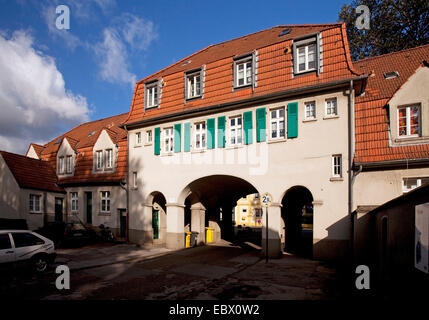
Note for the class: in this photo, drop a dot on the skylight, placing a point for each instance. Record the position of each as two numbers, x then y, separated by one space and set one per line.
391 75
91 133
284 32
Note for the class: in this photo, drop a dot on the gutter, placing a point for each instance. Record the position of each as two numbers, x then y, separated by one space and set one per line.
242 103
392 164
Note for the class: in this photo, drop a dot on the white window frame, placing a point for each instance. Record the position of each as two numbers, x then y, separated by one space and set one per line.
408 121
149 136
337 166
105 201
192 88
74 196
35 203
277 120
306 54
246 62
61 165
152 95
405 189
99 160
200 131
237 128
168 140
330 108
69 164
310 110
109 158
138 141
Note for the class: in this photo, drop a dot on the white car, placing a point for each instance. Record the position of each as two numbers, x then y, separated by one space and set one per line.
26 246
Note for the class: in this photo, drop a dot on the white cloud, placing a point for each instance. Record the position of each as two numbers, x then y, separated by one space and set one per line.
128 33
34 103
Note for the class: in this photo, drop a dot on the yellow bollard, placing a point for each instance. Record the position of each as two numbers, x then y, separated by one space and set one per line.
188 240
209 235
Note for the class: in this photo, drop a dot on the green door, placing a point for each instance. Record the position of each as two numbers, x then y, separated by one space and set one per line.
155 223
88 207
123 223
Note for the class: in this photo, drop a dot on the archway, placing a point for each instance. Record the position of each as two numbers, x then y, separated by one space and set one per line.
297 214
210 200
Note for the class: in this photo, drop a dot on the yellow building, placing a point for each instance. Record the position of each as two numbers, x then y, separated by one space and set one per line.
248 212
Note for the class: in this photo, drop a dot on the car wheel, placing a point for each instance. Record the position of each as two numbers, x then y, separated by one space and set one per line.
40 263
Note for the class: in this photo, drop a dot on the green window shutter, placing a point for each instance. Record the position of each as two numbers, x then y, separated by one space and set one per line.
177 137
221 132
187 137
157 144
210 133
261 125
292 120
247 120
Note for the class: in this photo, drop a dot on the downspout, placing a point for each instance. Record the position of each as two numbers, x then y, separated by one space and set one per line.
126 188
350 169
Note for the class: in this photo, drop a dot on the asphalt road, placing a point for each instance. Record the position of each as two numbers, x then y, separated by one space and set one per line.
210 272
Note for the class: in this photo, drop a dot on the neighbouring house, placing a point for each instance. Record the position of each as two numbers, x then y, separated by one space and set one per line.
29 191
399 244
267 112
392 135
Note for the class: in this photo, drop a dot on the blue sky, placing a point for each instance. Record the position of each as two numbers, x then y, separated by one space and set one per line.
52 80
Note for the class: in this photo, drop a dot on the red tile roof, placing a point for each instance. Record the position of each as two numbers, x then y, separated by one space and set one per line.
274 69
372 140
32 173
82 139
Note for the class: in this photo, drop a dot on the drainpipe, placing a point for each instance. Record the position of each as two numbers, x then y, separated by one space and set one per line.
126 188
350 167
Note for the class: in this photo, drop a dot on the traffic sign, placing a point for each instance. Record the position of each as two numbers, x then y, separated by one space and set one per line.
266 199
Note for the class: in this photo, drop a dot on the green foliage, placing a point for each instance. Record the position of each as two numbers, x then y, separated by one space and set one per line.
394 26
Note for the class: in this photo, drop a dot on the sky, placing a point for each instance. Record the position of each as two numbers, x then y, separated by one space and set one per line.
52 79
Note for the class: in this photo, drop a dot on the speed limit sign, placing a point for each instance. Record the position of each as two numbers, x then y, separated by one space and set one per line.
266 199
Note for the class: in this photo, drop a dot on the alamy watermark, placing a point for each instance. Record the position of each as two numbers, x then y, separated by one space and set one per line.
63 280
362 21
63 20
362 281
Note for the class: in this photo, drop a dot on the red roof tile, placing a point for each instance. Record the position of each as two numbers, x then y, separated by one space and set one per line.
31 173
371 117
274 69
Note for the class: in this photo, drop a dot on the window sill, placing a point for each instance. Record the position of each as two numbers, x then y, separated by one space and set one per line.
305 72
34 212
148 144
151 107
246 86
137 146
331 117
198 151
410 140
167 154
309 120
193 98
335 179
104 214
276 140
234 147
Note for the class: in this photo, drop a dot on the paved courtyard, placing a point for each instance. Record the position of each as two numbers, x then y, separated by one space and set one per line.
221 271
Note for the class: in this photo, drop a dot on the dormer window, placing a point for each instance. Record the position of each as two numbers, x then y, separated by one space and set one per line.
109 158
391 75
305 55
99 160
193 84
61 165
151 95
243 71
409 121
69 164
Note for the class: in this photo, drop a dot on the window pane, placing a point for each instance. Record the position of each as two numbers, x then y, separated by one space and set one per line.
239 121
282 113
26 240
5 242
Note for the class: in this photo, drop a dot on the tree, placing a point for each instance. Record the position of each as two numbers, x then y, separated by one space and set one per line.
394 26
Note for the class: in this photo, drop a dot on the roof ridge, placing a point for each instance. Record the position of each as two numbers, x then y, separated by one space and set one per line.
391 53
